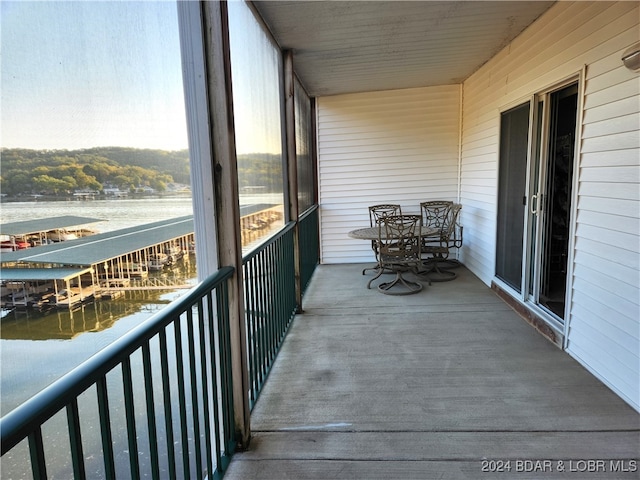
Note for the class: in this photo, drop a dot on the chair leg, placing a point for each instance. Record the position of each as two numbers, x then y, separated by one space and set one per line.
375 269
379 272
449 263
408 287
435 273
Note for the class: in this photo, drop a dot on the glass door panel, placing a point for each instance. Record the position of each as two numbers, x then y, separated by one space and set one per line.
555 221
512 174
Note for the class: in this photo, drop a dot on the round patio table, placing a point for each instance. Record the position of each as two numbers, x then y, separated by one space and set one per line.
371 233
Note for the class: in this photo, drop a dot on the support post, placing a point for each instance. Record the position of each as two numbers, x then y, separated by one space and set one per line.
227 204
227 208
292 169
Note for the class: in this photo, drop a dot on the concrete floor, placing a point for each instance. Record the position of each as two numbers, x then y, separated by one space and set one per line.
449 383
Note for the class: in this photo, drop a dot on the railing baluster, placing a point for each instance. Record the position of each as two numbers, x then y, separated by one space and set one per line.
75 439
166 400
270 268
193 381
255 319
36 450
182 403
290 289
260 318
252 329
226 384
271 285
130 414
280 295
256 322
214 370
205 320
280 305
247 315
269 304
105 428
151 410
277 296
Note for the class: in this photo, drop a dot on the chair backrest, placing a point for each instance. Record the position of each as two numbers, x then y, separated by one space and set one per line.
455 239
436 213
451 223
399 238
378 212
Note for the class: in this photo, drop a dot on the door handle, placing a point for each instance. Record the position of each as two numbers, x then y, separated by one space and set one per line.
531 207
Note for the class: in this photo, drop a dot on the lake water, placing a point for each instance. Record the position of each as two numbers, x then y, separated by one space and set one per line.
114 214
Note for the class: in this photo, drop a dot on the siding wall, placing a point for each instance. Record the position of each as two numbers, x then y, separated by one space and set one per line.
398 146
604 325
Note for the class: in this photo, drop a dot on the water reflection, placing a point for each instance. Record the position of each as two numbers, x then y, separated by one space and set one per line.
68 324
98 315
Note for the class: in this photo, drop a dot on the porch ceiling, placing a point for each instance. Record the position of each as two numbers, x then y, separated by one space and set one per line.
357 46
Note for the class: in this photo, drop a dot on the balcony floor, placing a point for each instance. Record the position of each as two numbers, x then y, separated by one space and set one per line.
431 385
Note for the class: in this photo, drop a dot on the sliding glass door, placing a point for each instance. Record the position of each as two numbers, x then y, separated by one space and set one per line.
537 156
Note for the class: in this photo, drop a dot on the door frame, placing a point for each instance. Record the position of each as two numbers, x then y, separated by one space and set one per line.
523 297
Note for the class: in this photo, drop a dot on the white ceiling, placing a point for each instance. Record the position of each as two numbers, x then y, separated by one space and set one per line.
357 46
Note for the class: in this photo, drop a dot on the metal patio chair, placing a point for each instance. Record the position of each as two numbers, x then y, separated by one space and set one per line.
399 249
376 214
437 248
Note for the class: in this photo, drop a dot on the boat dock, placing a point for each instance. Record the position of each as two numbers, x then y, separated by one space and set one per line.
32 233
104 264
42 287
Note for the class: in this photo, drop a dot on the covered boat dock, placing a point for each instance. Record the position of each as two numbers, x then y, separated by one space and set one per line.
45 287
113 258
45 230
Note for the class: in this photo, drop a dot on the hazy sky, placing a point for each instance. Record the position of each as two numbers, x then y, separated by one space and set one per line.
91 73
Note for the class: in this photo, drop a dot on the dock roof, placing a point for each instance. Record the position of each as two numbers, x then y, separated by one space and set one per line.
98 248
45 224
35 274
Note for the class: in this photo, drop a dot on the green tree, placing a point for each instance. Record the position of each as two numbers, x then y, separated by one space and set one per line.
123 182
16 182
45 184
52 171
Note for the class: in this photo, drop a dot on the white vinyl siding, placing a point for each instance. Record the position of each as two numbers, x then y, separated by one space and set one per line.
396 146
604 321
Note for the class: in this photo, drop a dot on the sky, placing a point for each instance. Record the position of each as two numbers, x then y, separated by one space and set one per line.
83 74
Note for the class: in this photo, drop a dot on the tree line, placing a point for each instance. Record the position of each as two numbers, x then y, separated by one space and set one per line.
62 172
56 172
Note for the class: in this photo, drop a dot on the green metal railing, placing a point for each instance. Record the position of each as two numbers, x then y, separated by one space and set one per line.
270 297
270 303
162 393
309 240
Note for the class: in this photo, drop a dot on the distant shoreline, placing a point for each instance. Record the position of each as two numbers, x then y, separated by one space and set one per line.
72 198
